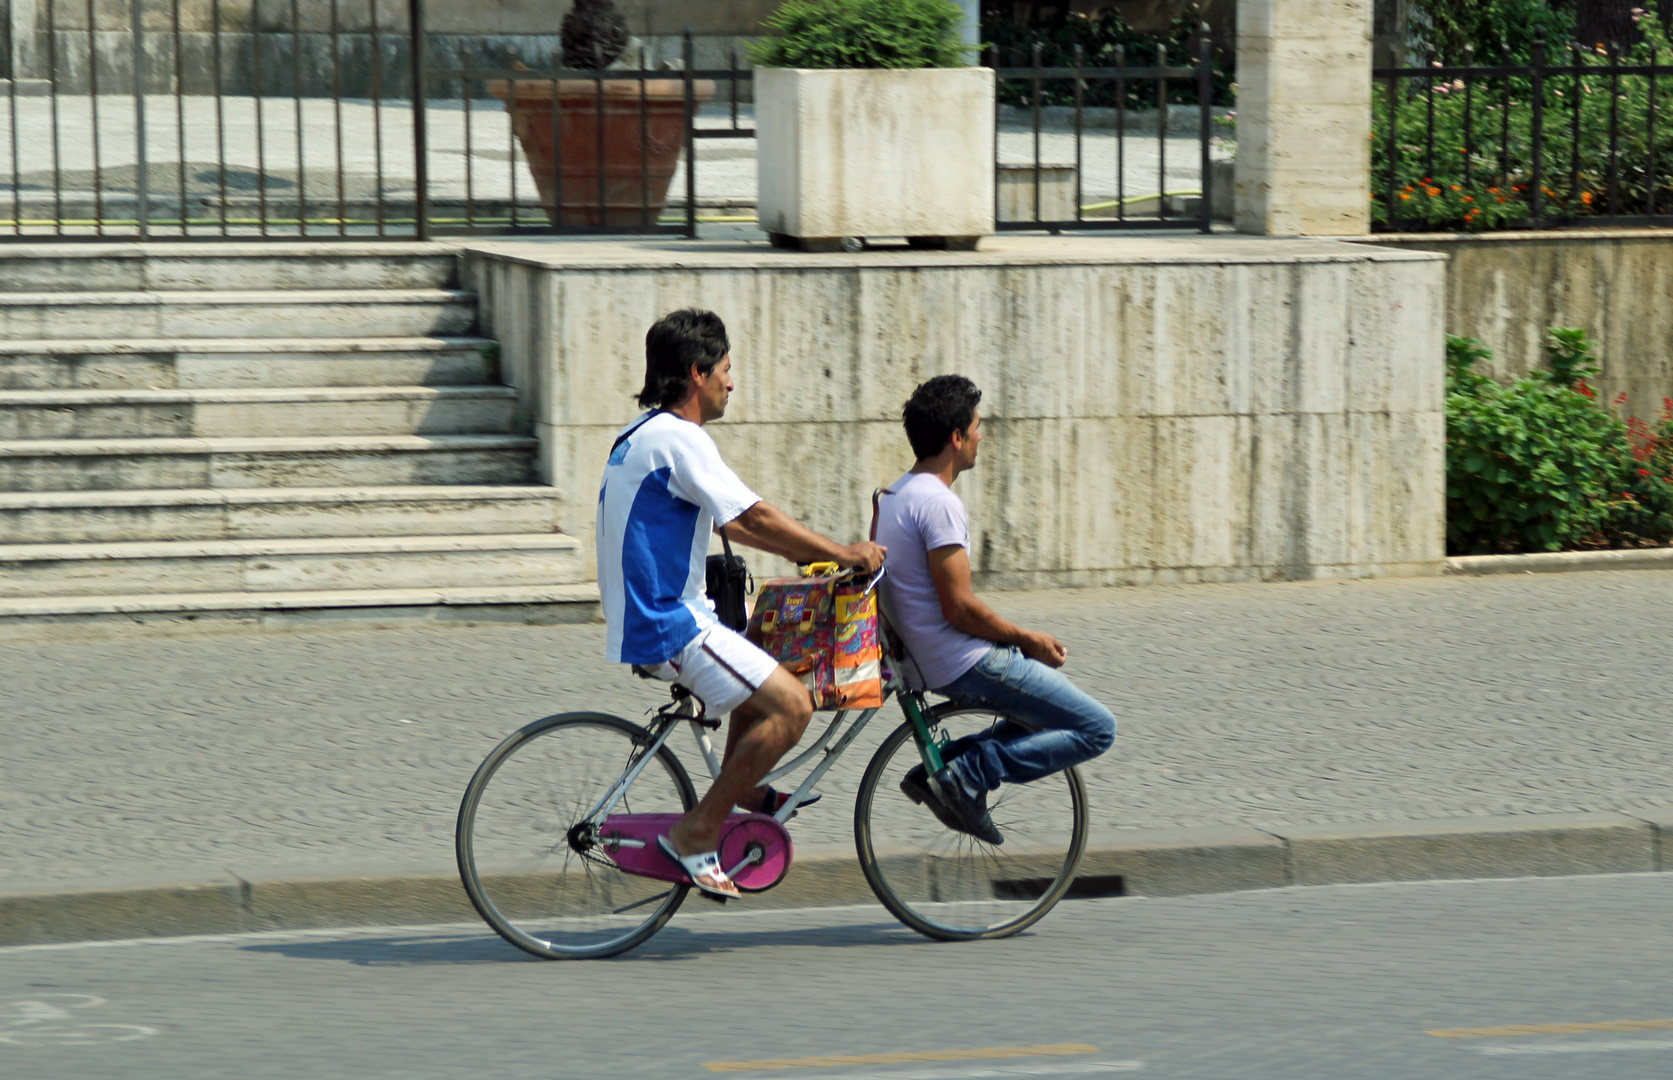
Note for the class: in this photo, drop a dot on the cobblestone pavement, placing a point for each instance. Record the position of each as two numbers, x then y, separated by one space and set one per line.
196 758
1336 983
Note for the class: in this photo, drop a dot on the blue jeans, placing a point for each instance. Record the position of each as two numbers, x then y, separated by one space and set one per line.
1052 724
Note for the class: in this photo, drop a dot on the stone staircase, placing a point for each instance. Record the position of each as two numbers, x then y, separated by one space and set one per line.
262 431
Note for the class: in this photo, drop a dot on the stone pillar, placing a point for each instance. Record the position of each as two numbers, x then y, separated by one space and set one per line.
1303 117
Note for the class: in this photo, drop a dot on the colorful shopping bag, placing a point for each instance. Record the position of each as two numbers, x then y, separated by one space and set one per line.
823 628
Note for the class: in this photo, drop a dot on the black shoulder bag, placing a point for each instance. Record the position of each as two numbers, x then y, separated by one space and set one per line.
728 582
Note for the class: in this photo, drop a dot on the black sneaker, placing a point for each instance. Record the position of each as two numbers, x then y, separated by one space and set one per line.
957 811
971 813
915 786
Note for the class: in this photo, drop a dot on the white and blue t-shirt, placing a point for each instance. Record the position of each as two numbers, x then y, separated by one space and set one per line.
665 489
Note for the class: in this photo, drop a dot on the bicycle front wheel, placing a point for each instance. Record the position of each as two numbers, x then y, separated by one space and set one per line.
950 885
529 855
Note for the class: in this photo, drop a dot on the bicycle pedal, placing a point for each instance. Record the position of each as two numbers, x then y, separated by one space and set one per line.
712 898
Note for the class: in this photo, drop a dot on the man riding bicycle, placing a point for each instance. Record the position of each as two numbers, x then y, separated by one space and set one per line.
959 647
665 491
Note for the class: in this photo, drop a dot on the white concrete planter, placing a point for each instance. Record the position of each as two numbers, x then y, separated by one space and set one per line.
863 153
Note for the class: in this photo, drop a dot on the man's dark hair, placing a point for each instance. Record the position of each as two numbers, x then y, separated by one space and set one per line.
674 343
936 409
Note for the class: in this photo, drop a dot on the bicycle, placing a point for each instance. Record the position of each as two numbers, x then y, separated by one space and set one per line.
553 867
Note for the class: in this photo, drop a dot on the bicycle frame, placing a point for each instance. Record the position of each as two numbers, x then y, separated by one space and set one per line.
911 703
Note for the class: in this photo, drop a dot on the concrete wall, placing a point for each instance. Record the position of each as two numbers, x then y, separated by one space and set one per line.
1508 288
1175 409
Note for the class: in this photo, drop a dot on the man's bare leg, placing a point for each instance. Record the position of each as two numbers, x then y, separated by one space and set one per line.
742 720
764 729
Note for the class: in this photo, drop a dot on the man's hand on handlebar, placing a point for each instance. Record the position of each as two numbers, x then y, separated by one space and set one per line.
865 556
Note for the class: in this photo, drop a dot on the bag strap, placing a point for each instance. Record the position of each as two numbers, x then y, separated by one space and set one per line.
624 435
725 543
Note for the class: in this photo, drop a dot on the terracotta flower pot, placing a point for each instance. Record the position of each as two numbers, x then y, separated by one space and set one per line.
643 137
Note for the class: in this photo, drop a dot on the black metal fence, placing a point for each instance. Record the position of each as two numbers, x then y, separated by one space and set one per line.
600 148
164 119
207 120
1129 186
1571 135
240 119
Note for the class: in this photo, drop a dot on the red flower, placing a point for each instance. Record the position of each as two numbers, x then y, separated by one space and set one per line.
1643 472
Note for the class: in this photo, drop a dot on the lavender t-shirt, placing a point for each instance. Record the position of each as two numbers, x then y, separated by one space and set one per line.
916 515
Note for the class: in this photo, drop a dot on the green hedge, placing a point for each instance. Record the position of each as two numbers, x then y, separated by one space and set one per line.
1541 465
863 34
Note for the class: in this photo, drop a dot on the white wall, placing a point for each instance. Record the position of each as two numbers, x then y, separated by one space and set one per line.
1176 409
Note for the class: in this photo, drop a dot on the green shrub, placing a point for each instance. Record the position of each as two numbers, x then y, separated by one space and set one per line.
1541 465
1493 28
863 34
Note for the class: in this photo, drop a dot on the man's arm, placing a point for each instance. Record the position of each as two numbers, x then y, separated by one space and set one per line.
767 528
950 568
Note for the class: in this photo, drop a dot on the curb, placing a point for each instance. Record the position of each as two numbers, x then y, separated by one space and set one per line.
1557 562
1135 862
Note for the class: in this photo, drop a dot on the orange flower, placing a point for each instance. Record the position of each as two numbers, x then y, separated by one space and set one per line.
1405 195
1432 192
1586 197
1467 198
1455 187
1493 190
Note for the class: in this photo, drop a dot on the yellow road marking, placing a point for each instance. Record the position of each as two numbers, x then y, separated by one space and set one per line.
830 1061
1551 1029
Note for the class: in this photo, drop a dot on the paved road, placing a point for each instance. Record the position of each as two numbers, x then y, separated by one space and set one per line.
1338 983
131 761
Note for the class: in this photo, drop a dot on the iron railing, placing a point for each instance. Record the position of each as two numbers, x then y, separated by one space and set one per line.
199 121
204 119
1572 135
171 119
1125 191
618 197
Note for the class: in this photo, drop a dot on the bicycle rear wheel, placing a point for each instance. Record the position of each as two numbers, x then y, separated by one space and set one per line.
528 855
949 885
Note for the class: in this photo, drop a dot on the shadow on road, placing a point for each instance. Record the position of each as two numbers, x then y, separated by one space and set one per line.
672 943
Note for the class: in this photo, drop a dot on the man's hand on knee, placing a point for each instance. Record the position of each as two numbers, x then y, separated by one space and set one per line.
1044 648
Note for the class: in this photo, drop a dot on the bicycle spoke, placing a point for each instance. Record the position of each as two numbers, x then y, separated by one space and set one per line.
560 896
948 884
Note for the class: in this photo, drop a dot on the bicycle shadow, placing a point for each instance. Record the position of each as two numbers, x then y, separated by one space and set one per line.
672 943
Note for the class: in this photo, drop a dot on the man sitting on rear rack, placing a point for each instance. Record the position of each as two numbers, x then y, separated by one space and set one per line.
957 645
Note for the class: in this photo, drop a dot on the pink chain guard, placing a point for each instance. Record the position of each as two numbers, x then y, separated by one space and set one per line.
737 835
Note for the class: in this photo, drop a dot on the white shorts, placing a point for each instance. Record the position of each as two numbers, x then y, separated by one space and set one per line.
720 666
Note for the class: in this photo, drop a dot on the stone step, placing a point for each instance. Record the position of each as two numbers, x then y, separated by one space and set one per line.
309 313
303 461
288 565
375 410
80 364
32 616
57 517
49 267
